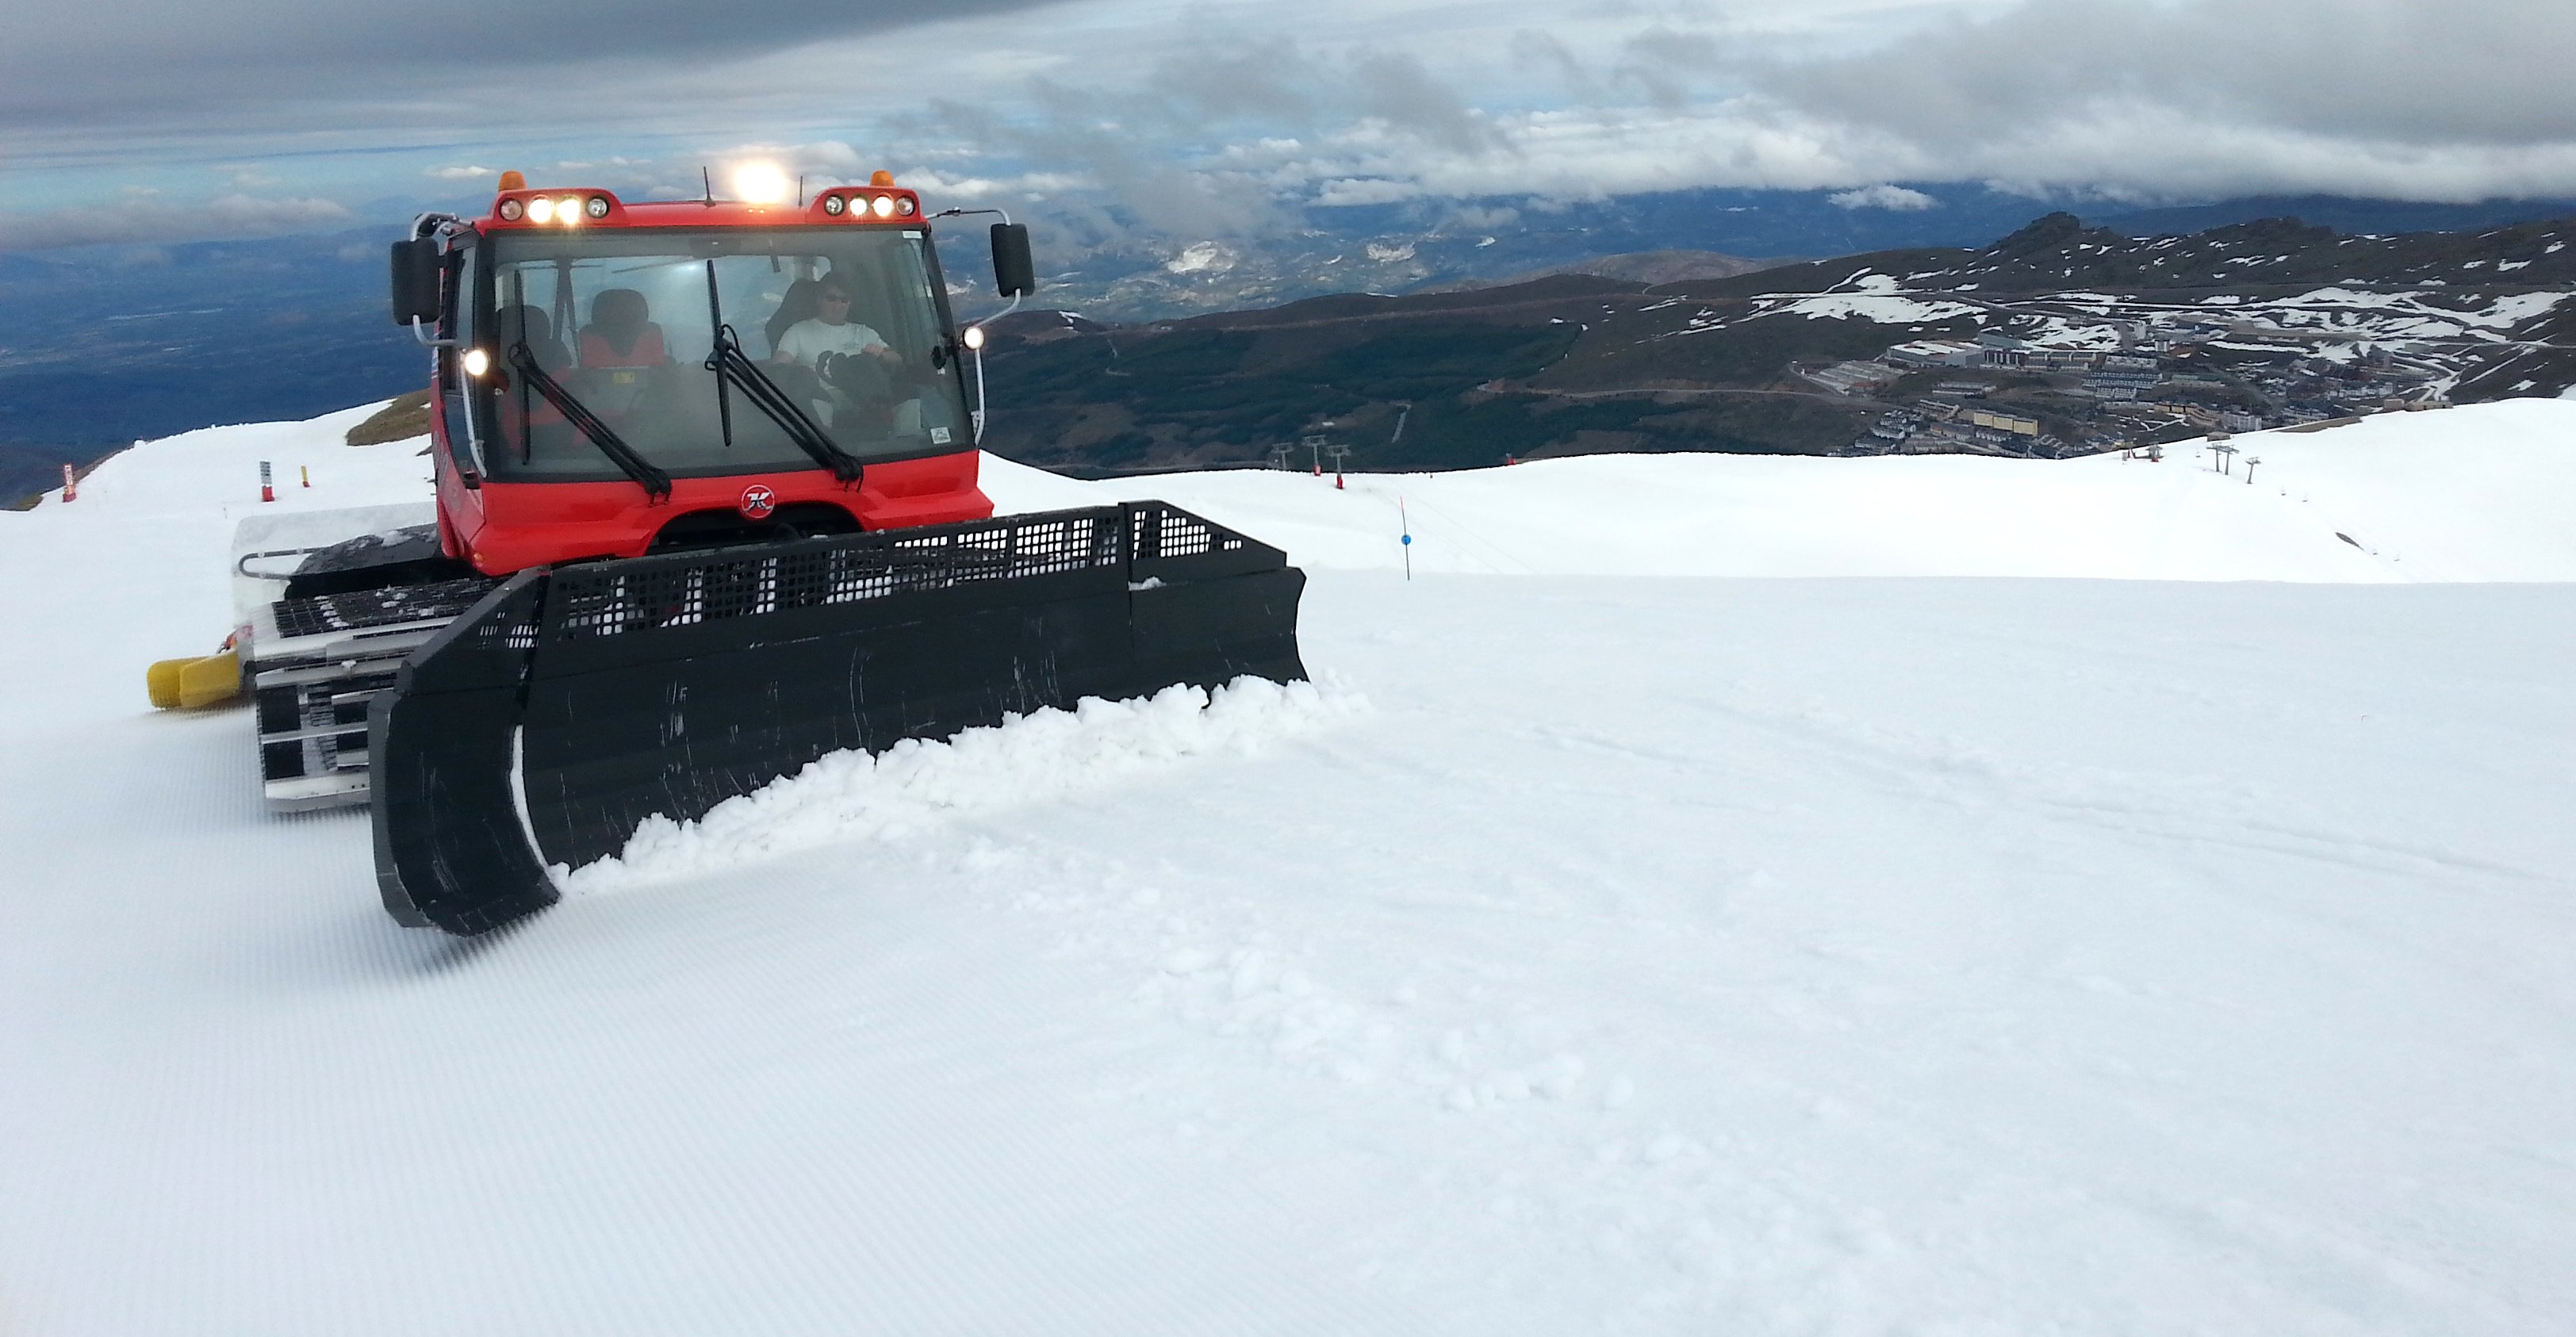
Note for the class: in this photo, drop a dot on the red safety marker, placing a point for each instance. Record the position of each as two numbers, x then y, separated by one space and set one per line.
71 484
267 492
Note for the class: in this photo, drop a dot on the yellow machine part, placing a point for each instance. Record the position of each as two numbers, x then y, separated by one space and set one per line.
193 684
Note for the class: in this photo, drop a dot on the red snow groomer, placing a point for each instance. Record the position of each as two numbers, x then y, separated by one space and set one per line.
706 511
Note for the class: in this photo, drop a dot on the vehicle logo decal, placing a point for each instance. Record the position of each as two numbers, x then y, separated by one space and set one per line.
757 502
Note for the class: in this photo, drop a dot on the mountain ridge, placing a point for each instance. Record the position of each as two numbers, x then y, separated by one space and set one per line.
1573 363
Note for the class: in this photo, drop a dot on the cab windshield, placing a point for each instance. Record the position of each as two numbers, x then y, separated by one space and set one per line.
849 325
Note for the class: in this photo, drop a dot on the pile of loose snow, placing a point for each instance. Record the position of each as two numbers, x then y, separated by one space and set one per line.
915 784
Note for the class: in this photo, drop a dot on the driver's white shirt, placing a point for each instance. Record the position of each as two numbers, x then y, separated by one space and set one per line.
807 340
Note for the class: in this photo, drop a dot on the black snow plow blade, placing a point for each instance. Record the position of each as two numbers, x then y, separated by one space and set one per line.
572 703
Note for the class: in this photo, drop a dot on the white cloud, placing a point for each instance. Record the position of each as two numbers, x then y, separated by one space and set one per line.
1365 190
1883 197
155 220
1474 218
938 185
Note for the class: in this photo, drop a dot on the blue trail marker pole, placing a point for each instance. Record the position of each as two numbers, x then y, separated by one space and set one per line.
1405 524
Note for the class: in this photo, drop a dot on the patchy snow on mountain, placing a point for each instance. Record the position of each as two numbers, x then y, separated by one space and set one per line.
1204 257
1747 902
1887 310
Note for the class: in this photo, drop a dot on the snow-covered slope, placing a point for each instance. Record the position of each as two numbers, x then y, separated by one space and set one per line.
1647 954
2479 493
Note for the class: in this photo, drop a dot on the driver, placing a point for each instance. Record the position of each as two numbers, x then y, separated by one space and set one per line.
831 330
852 363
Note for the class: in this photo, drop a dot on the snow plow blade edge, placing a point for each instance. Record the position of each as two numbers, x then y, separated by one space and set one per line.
570 704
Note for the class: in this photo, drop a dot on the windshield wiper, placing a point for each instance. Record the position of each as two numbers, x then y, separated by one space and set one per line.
656 484
738 370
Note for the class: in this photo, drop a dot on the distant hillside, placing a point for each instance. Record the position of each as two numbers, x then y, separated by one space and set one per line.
105 345
1426 244
1647 267
2358 217
2070 338
2059 252
1439 380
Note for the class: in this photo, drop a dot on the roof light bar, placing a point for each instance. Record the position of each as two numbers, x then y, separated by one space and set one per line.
565 210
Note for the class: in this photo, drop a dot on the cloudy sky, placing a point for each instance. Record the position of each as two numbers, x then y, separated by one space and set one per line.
153 120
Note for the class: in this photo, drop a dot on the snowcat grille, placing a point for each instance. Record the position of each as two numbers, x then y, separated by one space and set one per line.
685 590
1163 532
387 607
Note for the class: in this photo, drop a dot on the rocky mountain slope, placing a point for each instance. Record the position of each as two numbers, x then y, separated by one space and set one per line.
2085 338
2060 252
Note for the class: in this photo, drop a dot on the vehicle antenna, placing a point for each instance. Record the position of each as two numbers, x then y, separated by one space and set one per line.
707 180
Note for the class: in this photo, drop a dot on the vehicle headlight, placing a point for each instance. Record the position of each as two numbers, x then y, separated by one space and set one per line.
883 205
476 362
512 211
598 206
541 210
836 205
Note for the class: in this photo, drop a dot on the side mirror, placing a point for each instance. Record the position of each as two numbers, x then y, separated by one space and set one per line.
415 281
1014 273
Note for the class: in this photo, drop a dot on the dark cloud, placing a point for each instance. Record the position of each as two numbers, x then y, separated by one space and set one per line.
1400 92
1548 54
2411 72
1156 146
1075 130
1267 79
1662 65
176 63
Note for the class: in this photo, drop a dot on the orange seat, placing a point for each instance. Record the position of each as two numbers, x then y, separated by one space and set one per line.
621 332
